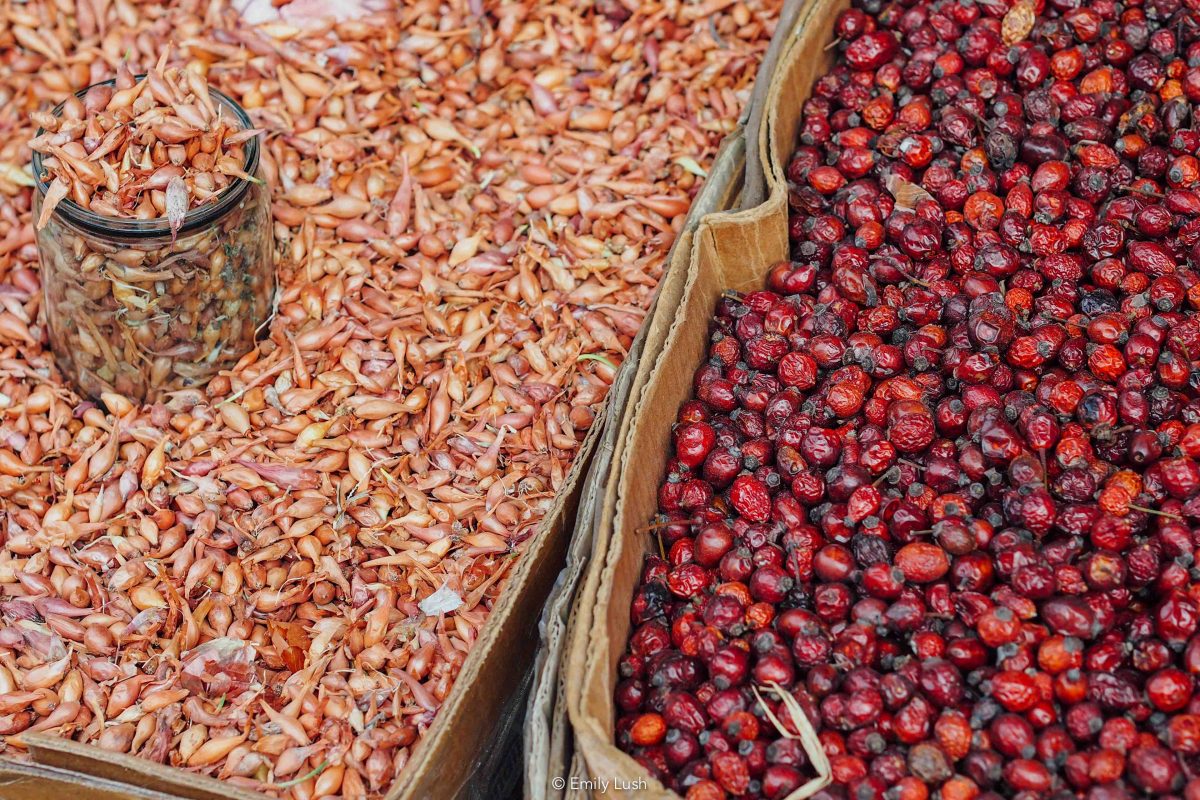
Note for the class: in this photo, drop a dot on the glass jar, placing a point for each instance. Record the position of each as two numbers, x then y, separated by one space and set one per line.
132 309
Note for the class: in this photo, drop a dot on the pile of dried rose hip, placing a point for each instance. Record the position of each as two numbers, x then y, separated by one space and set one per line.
942 481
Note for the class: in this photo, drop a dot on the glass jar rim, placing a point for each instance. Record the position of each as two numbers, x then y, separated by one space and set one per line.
195 219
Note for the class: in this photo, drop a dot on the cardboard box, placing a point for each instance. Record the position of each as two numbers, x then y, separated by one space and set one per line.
546 741
729 251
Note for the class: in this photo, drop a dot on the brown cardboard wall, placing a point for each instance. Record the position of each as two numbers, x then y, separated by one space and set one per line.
33 782
546 729
730 251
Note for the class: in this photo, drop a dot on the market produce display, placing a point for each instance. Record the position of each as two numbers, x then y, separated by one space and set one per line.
275 578
938 484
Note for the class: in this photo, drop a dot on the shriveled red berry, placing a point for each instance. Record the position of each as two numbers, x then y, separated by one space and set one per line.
872 50
731 773
922 562
751 498
694 442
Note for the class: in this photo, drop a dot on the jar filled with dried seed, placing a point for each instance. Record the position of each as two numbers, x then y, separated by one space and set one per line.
155 235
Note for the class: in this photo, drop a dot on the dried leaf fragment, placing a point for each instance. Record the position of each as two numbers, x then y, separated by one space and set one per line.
907 193
1018 22
443 601
691 165
14 174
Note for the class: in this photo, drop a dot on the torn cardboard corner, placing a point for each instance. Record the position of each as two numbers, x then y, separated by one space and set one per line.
75 763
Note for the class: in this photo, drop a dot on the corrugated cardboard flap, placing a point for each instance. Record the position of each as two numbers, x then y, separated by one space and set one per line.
66 754
21 780
730 251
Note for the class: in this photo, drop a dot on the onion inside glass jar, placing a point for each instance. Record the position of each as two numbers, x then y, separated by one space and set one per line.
136 308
